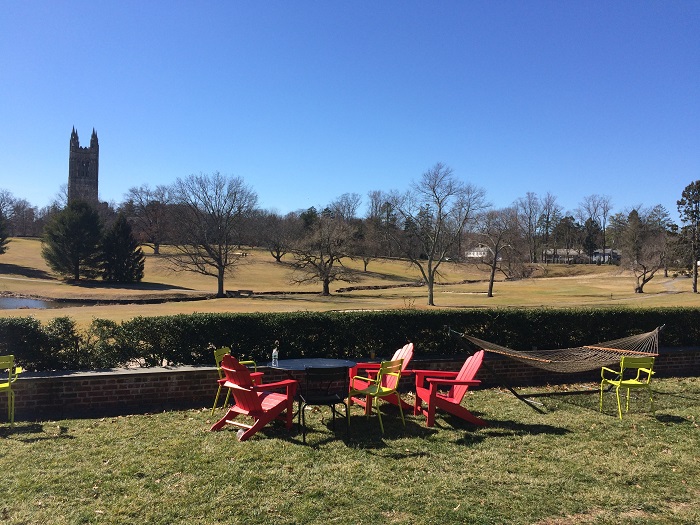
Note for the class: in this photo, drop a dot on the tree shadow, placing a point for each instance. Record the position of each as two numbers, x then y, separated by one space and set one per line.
31 273
142 286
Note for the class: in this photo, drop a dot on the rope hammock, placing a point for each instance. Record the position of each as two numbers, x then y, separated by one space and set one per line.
581 358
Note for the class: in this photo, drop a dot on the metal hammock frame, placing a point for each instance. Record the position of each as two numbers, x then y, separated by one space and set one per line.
580 358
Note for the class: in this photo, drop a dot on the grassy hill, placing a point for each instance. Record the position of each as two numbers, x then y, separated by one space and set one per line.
24 272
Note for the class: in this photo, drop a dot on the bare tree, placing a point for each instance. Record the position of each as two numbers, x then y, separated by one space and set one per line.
382 212
498 230
318 256
209 215
23 219
550 215
345 207
596 208
436 212
6 202
529 209
278 233
644 244
149 211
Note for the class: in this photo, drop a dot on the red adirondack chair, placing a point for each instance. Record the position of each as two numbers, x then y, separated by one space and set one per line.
450 402
254 400
370 370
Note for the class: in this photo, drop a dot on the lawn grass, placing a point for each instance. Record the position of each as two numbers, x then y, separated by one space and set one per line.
572 465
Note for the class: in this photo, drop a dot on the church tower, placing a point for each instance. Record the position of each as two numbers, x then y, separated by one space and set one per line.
83 169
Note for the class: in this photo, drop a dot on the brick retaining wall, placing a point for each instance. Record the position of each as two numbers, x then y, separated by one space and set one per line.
62 395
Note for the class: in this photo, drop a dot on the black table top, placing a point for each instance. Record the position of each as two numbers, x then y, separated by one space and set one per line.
311 362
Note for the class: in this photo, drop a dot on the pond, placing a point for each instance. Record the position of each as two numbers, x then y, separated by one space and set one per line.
13 303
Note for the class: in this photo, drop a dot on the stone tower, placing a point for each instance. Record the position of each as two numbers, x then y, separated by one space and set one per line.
83 169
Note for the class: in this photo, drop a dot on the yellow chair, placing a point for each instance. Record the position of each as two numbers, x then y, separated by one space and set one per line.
7 362
642 366
383 385
219 354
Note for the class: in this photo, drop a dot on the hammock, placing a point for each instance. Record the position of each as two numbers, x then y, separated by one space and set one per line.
581 358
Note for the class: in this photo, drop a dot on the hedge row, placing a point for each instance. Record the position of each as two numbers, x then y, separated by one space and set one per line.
187 339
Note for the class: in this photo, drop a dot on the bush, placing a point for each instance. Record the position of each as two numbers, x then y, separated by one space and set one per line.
186 339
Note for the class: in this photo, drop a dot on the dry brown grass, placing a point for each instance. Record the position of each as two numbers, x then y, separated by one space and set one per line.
23 271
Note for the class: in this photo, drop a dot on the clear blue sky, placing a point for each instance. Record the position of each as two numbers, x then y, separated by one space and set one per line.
308 100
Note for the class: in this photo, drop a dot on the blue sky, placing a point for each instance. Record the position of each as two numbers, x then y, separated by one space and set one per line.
309 100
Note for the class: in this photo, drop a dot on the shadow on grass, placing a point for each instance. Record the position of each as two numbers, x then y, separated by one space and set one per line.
142 286
31 273
669 419
33 432
499 428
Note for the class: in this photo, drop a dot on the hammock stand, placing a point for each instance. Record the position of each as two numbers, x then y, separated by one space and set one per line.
568 360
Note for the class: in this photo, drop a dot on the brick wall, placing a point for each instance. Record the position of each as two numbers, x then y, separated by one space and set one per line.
55 396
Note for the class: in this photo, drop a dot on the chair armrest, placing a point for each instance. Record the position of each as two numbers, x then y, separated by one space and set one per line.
277 384
421 375
362 378
438 381
606 369
246 363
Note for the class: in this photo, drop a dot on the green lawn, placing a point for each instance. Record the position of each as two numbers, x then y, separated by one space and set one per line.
572 465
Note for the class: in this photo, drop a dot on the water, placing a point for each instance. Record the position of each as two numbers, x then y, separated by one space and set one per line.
13 303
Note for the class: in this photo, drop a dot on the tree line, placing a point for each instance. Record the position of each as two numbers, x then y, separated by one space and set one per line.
207 219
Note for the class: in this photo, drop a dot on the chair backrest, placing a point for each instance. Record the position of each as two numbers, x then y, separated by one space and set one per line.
390 373
325 382
219 354
635 363
237 374
405 353
7 362
466 373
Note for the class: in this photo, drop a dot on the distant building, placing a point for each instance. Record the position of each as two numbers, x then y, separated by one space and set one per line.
480 251
83 169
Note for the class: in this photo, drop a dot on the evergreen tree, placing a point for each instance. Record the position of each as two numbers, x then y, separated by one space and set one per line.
123 259
71 242
3 234
689 208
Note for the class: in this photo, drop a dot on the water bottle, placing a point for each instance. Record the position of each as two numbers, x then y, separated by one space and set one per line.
275 355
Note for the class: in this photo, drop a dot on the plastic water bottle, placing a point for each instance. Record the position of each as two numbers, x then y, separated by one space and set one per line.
275 355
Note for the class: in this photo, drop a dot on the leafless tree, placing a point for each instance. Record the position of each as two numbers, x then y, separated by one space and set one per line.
6 202
278 233
148 209
644 244
597 208
498 231
209 216
550 216
529 209
318 255
382 212
345 207
436 212
23 219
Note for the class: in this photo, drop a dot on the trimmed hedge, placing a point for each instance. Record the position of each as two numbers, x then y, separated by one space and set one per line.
187 339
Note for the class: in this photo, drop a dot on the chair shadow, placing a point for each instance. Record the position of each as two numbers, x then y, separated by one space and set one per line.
33 432
670 419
